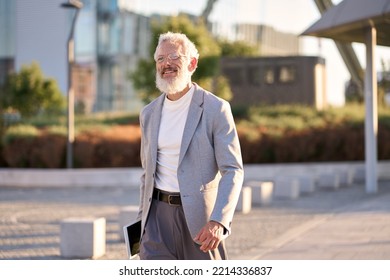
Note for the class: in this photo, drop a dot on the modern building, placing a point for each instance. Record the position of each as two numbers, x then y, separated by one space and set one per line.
109 40
34 31
270 41
7 38
277 80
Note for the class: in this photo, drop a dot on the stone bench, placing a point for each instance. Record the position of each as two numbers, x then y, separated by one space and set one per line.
286 187
329 181
244 204
359 174
127 215
307 184
261 191
83 237
345 177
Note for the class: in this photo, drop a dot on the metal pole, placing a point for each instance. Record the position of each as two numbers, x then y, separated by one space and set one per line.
371 119
70 96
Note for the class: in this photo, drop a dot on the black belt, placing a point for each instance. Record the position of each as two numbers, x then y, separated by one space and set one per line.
170 198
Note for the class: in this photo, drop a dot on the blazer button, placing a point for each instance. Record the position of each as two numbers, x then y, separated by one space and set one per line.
150 199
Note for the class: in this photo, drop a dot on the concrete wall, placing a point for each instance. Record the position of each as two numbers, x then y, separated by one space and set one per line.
276 80
130 177
42 30
99 177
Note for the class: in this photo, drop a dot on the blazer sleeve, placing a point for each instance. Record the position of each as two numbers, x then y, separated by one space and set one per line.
142 178
229 160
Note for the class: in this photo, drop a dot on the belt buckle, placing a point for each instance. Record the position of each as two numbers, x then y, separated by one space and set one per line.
170 197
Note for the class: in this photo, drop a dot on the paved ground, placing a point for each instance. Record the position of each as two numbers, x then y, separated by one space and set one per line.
342 224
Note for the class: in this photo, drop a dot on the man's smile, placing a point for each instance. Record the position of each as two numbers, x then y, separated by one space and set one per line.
169 71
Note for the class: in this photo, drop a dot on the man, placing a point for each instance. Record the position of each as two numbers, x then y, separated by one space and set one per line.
191 160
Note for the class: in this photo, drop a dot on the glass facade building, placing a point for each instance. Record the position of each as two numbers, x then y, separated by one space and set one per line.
109 40
7 38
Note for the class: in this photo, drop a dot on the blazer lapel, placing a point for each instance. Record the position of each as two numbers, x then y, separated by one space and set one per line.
155 127
193 118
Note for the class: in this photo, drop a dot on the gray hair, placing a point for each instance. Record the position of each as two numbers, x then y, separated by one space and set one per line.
178 38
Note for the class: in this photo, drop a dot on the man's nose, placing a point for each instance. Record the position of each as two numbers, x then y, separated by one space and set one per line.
167 61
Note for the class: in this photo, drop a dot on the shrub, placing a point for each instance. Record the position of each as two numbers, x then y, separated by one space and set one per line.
57 130
26 146
19 132
30 93
266 136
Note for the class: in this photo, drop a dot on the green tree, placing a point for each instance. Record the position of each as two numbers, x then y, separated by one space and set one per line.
220 86
237 48
143 79
30 93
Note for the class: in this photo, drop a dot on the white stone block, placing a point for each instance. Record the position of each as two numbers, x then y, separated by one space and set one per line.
245 201
345 177
328 181
127 215
359 174
83 237
306 184
286 187
261 191
384 170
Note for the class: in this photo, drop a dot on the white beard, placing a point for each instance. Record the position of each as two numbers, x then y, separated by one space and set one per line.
174 85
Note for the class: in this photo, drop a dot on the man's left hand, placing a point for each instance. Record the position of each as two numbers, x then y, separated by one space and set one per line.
210 236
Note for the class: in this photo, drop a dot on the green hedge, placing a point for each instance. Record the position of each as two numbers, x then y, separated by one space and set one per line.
25 146
339 143
267 135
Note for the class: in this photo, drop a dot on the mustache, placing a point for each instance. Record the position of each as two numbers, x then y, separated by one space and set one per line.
172 69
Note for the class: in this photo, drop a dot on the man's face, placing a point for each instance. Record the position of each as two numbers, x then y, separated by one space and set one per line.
172 68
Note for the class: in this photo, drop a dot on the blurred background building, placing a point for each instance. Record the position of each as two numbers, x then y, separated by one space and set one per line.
7 38
34 31
112 35
269 41
109 40
277 80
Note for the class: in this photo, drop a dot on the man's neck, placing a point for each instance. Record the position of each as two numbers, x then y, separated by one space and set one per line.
178 95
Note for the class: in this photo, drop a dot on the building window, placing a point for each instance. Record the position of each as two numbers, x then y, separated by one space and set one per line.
269 75
254 76
235 75
287 74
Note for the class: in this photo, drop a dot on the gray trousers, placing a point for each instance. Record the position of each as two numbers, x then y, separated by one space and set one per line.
167 237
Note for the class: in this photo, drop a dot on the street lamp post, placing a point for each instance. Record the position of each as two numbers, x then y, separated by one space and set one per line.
77 5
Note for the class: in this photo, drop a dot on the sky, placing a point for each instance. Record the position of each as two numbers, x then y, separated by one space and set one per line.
284 15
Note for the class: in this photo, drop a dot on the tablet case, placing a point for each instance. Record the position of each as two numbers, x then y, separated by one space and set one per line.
132 233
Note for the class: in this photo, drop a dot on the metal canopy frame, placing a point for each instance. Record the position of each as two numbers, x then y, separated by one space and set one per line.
355 21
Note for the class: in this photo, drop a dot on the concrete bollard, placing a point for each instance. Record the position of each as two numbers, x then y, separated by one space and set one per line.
286 187
127 215
83 237
345 177
245 201
306 184
261 192
328 181
359 174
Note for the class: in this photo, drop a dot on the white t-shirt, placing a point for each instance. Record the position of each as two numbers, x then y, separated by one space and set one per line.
173 119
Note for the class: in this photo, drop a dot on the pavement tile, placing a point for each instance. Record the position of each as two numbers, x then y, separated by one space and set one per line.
342 224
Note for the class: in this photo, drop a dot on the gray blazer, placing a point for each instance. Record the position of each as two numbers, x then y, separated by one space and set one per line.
210 170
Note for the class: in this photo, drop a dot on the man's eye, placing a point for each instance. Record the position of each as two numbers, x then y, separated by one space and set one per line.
174 56
160 59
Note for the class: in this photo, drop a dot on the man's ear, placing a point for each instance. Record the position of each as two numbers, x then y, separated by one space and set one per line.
193 64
